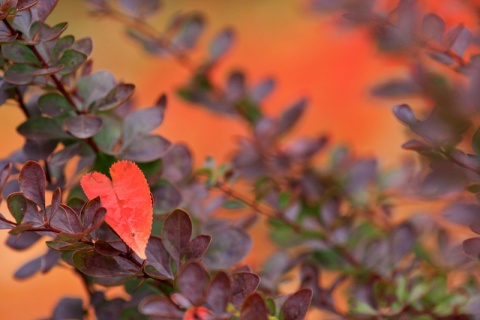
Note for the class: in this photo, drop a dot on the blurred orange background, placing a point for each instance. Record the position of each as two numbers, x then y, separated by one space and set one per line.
307 55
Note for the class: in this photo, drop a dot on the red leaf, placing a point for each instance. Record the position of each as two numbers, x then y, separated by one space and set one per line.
127 200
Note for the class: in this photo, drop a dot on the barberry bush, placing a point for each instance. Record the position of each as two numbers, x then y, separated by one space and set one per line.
122 206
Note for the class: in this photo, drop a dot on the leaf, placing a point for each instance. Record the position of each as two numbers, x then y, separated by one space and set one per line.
166 198
22 241
462 212
71 61
160 307
177 231
197 247
190 28
127 200
118 95
177 163
83 126
68 308
32 183
228 247
54 104
29 269
84 45
17 205
143 121
145 148
94 264
460 41
44 8
47 33
46 71
67 219
61 157
433 27
61 45
141 8
243 284
472 248
3 224
254 308
95 87
158 258
221 43
19 74
218 293
19 53
405 114
290 116
106 249
41 129
191 282
26 4
262 90
296 306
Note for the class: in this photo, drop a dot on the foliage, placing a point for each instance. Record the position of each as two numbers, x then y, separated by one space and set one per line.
125 181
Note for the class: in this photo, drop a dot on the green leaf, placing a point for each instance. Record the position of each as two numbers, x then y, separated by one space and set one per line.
17 205
71 61
364 309
60 46
41 129
19 53
54 104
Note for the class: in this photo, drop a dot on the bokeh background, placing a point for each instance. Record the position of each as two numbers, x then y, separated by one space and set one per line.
306 53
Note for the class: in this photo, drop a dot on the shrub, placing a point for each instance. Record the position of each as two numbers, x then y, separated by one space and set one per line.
128 208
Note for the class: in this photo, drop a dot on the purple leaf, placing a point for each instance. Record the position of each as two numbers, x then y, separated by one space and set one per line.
404 113
459 39
296 306
462 212
191 282
262 90
19 74
141 8
197 247
83 126
29 269
118 95
243 284
160 307
177 231
89 211
143 121
254 308
44 8
433 27
472 248
218 292
63 156
106 249
158 257
95 265
221 43
145 148
166 198
32 183
22 241
290 116
228 247
177 163
68 308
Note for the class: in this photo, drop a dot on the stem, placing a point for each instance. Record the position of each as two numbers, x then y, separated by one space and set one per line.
21 103
150 32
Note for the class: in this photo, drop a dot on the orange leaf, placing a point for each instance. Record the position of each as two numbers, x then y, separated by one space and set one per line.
127 200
